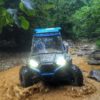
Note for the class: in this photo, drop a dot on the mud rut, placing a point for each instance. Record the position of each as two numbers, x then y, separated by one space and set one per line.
10 88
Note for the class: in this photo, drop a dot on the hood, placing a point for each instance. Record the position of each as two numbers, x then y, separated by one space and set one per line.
47 58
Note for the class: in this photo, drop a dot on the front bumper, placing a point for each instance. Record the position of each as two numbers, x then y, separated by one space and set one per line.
59 72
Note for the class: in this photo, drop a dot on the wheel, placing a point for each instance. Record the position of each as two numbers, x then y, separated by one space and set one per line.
77 76
26 77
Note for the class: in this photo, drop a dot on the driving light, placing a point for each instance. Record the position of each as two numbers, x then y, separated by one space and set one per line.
33 63
61 61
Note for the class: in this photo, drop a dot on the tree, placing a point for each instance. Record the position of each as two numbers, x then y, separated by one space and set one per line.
87 20
63 11
76 17
24 13
10 14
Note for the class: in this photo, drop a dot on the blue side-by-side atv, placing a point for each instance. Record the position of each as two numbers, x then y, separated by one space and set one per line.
49 60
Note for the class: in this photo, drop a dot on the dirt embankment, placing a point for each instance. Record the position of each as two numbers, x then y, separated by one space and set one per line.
10 88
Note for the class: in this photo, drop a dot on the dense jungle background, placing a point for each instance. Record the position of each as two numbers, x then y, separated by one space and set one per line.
79 19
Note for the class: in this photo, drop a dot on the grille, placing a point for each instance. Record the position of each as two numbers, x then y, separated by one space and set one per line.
47 68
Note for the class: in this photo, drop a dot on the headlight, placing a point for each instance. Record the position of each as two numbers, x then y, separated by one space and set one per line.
61 61
33 63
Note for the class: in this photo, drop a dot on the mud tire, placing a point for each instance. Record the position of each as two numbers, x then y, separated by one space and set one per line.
77 76
25 76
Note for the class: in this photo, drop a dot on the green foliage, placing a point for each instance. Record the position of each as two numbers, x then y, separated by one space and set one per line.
10 16
48 6
5 18
78 18
98 44
87 20
62 12
25 10
37 15
24 22
1 2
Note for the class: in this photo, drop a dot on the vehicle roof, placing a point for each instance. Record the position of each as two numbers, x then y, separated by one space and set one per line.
47 32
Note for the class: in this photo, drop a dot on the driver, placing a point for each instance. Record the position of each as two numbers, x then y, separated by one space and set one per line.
40 46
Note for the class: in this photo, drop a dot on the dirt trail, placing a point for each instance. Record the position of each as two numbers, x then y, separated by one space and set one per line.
10 88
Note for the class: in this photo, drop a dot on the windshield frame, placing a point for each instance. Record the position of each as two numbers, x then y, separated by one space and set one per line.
37 53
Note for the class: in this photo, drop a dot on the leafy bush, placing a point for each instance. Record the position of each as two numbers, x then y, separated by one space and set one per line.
78 18
86 20
98 44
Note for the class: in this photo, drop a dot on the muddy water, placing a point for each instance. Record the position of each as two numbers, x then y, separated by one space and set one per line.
10 88
82 62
